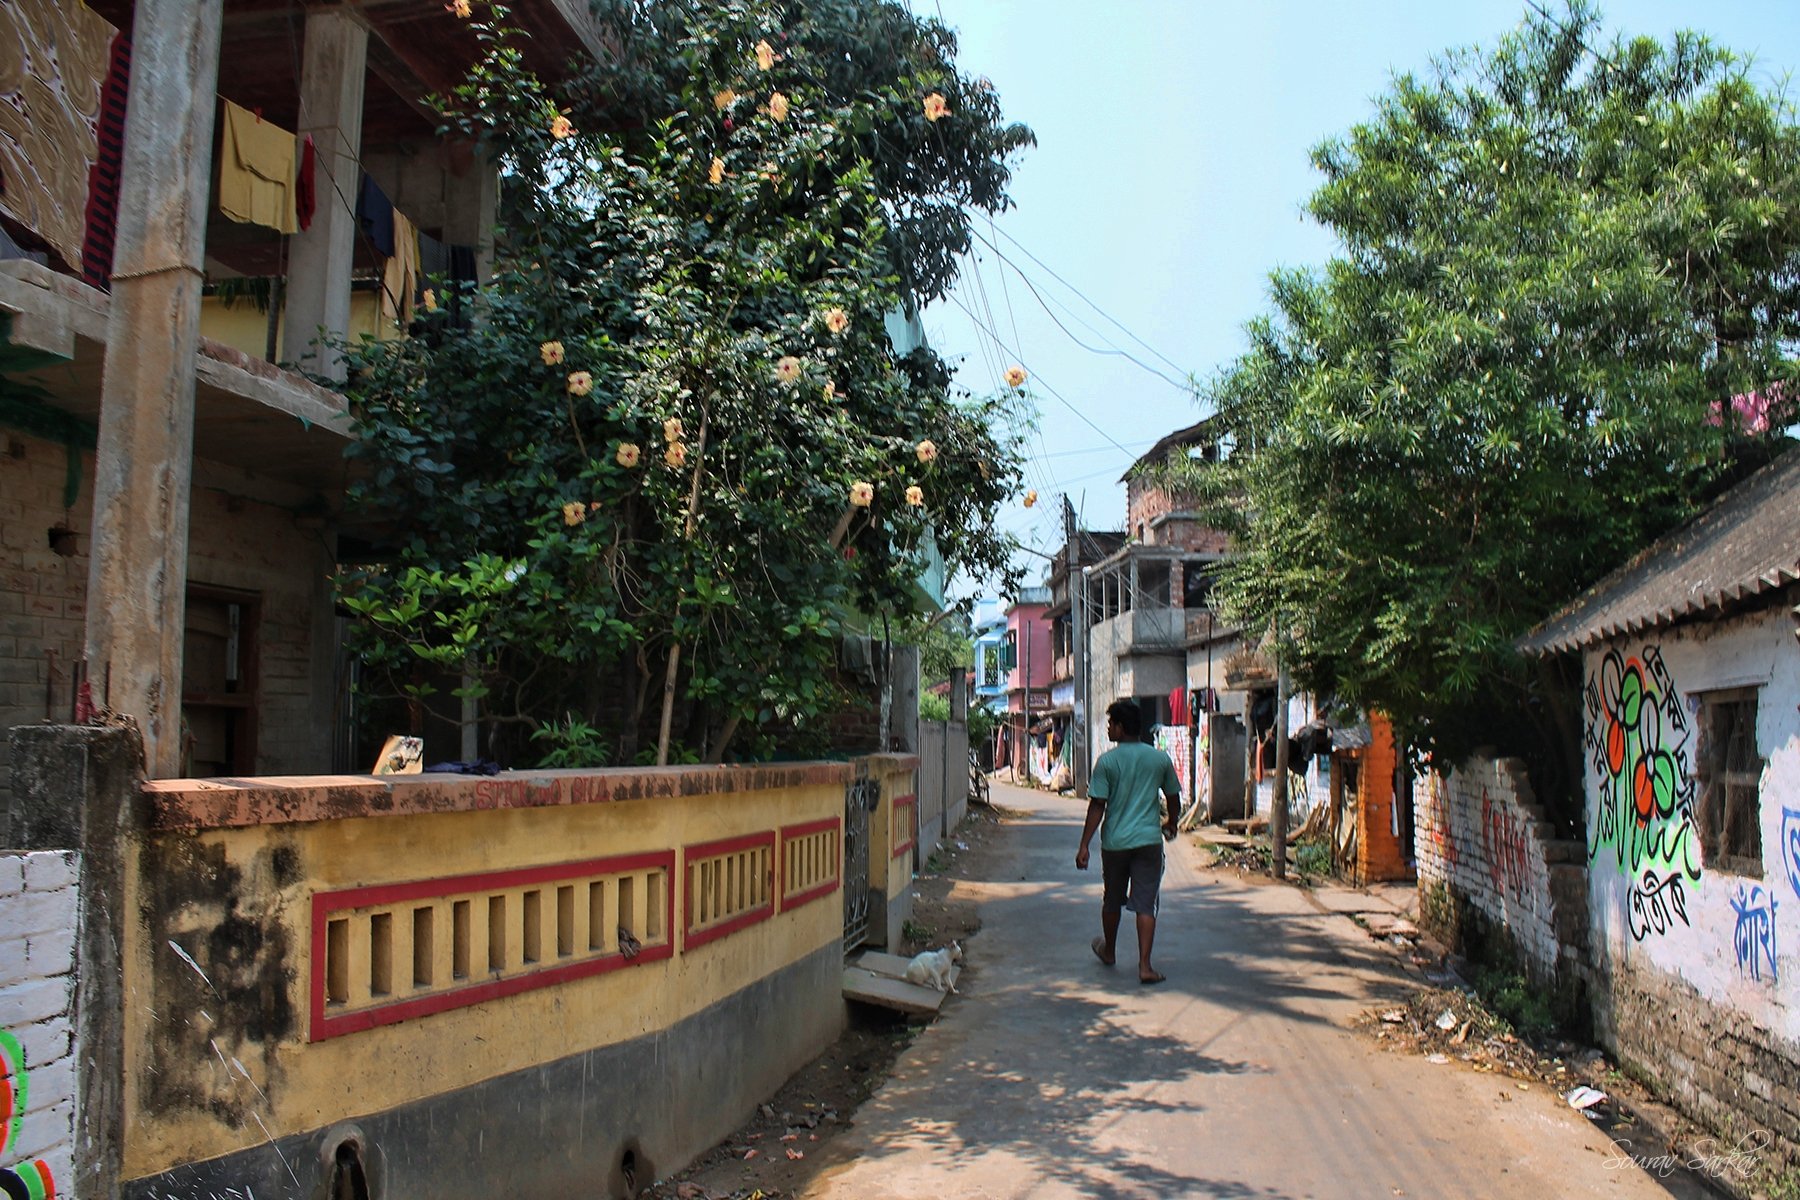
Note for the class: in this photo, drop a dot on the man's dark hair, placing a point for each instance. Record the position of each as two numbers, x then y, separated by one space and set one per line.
1130 719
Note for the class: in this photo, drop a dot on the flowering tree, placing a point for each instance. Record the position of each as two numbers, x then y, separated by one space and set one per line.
1559 262
675 441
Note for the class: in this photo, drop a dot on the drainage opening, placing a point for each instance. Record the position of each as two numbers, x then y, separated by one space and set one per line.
635 1174
348 1179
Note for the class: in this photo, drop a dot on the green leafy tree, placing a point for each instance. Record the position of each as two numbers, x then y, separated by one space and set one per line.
1558 263
638 474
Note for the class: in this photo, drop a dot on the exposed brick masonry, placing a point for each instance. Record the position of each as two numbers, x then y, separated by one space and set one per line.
235 543
39 895
1480 834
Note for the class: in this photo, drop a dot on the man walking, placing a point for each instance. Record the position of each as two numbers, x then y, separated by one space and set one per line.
1122 792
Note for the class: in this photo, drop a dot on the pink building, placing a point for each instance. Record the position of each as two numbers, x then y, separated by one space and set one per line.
1030 658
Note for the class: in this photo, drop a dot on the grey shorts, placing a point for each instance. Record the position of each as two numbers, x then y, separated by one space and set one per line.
1137 871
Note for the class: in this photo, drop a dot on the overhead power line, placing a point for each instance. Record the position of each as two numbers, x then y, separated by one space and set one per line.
1069 333
1026 251
1018 358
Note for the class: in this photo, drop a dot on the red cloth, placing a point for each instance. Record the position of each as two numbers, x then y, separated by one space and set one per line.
1178 706
103 177
305 198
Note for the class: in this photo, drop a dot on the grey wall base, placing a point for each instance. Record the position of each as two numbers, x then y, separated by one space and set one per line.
564 1128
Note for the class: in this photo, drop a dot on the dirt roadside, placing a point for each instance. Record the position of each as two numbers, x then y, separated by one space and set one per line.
778 1151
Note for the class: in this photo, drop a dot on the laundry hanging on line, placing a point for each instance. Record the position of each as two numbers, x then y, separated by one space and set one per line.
257 171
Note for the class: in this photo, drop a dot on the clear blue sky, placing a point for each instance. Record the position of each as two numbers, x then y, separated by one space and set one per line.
1171 166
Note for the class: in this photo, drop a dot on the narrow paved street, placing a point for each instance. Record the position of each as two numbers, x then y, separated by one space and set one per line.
1052 1075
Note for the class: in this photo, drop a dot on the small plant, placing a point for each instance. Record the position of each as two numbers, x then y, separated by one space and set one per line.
913 931
573 743
1511 996
1312 859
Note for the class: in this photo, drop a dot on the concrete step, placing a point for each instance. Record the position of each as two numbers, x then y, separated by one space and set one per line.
877 978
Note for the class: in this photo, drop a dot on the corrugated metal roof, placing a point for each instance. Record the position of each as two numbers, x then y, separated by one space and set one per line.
1746 544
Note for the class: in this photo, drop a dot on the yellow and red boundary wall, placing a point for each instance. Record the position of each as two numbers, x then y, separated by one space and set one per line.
322 950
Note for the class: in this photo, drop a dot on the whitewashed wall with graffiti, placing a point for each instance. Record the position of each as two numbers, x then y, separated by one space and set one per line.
38 917
1662 901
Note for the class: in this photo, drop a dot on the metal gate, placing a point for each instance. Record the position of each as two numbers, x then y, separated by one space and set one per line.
862 797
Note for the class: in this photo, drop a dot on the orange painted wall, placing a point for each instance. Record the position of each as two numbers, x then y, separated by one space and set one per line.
1379 855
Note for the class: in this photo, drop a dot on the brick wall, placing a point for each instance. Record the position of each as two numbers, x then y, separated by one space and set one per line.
235 542
1480 834
38 903
1716 1064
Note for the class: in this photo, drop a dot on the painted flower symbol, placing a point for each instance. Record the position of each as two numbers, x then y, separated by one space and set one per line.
562 127
724 98
936 107
765 56
574 512
778 106
862 494
672 430
1016 376
628 454
915 495
837 320
580 383
460 8
676 454
551 353
716 173
1030 498
926 450
787 368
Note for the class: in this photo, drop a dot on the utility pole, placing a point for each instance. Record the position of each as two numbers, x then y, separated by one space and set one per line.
1278 813
1079 751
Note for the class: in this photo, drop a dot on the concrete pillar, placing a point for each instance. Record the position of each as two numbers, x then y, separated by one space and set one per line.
137 577
903 663
333 67
472 206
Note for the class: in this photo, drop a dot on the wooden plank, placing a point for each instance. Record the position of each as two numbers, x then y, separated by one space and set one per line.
896 994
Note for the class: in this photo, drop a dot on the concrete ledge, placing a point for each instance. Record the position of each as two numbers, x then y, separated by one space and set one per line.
194 804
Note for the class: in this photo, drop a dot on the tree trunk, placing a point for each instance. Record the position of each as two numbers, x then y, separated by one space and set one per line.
693 518
715 753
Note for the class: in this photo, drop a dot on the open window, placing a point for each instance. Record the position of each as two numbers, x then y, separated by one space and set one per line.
218 681
1728 772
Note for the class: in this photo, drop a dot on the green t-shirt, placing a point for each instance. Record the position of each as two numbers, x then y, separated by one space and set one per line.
1129 778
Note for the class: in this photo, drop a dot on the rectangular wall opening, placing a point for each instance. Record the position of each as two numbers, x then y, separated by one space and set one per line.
496 933
422 946
597 915
381 954
565 921
627 904
337 961
532 950
460 935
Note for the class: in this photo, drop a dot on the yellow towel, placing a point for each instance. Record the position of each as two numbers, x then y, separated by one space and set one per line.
400 277
256 171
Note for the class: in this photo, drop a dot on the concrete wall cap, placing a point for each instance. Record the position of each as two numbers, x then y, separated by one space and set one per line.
192 804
